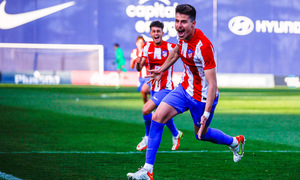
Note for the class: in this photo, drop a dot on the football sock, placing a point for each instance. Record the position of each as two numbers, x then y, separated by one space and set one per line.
147 119
234 143
154 140
216 136
149 167
170 124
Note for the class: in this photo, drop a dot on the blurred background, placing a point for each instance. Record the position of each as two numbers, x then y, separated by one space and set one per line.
71 41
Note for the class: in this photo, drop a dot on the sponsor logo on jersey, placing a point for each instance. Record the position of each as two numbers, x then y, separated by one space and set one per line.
149 10
242 25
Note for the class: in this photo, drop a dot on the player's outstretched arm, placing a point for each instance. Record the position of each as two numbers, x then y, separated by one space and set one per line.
172 58
156 74
140 62
211 77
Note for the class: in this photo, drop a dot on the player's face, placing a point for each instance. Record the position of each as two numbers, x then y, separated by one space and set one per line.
184 26
140 43
156 33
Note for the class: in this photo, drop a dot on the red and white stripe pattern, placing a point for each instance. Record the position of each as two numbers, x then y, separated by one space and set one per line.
157 55
135 53
197 55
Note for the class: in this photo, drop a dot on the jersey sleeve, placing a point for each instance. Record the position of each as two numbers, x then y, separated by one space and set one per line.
145 50
171 46
179 43
208 56
133 55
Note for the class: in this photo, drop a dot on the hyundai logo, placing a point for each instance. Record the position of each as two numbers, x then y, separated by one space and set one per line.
241 25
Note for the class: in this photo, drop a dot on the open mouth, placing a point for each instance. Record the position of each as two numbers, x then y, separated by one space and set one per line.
156 37
180 32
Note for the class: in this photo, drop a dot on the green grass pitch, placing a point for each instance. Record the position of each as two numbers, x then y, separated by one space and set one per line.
91 132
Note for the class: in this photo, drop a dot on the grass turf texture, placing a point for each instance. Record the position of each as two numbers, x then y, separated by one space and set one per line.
47 134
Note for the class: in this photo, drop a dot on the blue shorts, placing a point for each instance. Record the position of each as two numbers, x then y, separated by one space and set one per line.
157 97
182 101
143 81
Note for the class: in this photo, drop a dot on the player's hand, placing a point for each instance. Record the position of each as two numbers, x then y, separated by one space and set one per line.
138 60
155 75
202 122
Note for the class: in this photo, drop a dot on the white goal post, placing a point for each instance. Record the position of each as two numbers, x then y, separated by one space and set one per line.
79 47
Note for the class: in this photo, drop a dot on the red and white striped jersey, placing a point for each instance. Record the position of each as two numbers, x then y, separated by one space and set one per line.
135 53
157 55
197 55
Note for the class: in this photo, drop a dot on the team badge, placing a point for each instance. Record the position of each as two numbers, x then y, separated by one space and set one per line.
165 53
190 53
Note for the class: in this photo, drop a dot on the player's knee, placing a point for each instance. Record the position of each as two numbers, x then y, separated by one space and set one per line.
145 90
146 111
155 117
203 137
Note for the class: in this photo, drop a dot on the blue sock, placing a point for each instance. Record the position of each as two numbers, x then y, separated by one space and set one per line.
170 124
154 140
147 119
216 136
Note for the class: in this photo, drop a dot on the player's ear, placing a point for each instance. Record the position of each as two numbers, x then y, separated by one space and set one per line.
194 24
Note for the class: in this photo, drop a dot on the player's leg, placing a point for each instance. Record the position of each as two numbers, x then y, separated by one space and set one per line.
144 88
161 116
163 113
119 76
236 144
214 135
177 135
145 91
147 116
124 72
172 104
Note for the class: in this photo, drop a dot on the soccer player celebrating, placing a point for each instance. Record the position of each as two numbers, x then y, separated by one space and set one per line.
157 52
136 53
197 91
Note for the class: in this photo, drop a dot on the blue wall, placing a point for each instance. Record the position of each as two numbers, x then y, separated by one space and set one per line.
264 47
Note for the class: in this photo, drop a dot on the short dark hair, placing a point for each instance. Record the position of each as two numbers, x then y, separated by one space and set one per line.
116 44
187 10
140 37
157 24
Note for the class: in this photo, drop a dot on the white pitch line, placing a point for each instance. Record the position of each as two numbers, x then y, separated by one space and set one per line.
138 152
8 176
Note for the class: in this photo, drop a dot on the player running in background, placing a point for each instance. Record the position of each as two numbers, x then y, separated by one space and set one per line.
197 91
136 53
157 52
120 61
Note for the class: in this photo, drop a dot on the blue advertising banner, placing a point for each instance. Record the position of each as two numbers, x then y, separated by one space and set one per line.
36 77
259 36
250 36
95 22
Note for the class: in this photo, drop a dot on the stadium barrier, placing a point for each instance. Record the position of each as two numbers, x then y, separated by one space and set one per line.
111 78
246 80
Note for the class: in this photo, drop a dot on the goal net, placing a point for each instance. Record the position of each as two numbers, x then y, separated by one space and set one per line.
21 57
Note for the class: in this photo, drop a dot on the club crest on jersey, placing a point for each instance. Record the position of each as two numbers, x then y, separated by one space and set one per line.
190 53
165 53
